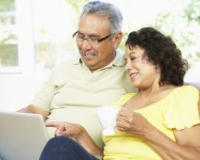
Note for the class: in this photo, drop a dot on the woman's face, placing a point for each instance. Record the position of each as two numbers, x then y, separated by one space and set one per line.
142 72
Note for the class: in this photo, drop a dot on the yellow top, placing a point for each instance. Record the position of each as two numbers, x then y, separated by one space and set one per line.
177 110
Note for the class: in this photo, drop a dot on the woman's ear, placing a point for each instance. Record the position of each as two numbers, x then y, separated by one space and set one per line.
117 39
157 68
199 102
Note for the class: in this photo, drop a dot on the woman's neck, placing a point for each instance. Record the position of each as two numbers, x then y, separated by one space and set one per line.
148 91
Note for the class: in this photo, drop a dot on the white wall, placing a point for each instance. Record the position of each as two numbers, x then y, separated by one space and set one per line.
16 91
193 75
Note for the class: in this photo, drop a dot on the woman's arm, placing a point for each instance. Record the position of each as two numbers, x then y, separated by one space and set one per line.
77 132
186 147
87 142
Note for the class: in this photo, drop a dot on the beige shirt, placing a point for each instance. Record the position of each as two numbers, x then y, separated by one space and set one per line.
73 92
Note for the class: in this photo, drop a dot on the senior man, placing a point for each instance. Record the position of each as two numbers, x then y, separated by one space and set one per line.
93 78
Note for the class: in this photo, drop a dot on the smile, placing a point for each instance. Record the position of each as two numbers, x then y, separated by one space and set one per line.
89 55
133 75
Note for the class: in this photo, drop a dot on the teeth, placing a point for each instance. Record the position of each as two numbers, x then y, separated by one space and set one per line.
90 54
133 75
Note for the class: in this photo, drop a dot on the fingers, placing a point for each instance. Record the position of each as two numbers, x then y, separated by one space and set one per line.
124 111
123 126
68 133
125 115
56 124
121 129
66 129
121 122
63 128
125 119
60 126
60 132
52 124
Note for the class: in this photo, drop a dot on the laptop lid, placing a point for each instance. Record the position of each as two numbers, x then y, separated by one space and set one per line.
22 136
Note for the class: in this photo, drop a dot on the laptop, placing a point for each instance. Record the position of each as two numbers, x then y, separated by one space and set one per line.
22 136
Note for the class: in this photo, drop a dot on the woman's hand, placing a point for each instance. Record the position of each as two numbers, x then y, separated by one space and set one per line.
79 133
133 122
67 129
187 145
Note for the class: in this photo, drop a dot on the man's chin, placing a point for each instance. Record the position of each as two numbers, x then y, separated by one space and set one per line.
91 66
89 62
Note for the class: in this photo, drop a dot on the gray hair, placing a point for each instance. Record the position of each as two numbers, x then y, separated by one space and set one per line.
105 9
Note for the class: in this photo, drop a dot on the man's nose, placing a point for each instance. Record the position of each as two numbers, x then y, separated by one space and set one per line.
86 44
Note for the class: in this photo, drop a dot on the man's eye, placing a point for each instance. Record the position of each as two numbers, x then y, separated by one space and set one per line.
94 38
80 36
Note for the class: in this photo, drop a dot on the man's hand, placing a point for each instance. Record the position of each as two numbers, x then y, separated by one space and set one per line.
36 110
67 129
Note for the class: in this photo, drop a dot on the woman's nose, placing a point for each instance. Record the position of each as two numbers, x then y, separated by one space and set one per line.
128 65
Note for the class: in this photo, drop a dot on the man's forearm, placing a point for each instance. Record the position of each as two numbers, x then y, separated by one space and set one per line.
35 110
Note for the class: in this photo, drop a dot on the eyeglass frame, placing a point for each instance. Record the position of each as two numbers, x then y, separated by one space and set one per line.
89 38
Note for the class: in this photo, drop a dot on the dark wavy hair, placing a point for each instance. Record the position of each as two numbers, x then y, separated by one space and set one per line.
162 52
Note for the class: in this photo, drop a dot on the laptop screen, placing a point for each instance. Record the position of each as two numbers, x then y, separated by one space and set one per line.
23 136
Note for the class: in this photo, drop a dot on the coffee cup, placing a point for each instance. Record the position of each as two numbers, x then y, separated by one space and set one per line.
108 116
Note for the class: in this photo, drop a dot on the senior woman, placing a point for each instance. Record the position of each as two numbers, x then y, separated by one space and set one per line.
160 122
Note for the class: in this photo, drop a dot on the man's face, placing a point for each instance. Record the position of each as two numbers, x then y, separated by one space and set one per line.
96 54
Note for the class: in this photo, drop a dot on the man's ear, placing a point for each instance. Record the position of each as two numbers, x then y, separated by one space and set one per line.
117 39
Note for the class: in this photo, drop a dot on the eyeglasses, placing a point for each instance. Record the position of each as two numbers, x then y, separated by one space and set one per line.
92 39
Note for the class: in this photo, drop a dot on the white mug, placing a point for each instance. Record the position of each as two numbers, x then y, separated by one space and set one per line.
108 116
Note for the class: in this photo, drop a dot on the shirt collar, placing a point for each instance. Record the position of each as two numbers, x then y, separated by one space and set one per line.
76 59
118 60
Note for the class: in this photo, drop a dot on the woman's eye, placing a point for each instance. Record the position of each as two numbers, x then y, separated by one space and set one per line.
132 58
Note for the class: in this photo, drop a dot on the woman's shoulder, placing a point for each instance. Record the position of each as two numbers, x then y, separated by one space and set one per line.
186 90
188 87
182 108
